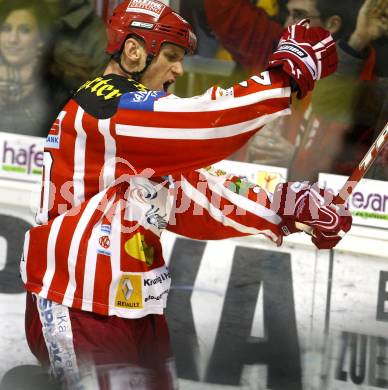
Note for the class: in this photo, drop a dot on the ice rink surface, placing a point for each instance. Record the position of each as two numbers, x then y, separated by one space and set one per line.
244 314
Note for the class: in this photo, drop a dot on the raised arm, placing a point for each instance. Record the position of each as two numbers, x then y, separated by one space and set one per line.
210 204
181 135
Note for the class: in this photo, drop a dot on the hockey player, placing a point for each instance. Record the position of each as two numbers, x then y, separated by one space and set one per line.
123 162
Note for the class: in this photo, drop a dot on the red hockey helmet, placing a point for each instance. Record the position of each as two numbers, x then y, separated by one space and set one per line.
151 20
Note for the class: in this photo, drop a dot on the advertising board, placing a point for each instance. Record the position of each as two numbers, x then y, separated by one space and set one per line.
21 157
243 313
368 203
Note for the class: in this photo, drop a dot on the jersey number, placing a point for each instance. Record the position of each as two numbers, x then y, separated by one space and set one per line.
263 79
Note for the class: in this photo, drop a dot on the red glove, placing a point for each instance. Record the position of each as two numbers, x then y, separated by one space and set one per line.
310 205
306 54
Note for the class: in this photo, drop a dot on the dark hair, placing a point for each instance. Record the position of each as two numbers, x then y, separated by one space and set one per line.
346 9
38 8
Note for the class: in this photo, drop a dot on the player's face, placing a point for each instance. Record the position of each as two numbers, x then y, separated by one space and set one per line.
165 68
19 38
301 9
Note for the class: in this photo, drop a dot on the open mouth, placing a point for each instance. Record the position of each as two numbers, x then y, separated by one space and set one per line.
167 85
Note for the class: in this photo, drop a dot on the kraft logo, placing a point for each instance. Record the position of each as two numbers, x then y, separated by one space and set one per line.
19 159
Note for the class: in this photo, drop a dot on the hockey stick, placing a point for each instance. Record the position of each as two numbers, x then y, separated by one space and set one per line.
362 167
357 174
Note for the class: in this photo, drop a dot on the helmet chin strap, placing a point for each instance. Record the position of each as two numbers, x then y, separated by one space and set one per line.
134 75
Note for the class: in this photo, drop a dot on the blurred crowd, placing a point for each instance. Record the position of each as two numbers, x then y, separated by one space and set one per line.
332 128
49 47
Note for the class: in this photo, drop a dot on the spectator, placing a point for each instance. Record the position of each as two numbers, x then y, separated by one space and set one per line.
342 129
244 29
375 106
80 41
24 39
257 33
194 13
251 36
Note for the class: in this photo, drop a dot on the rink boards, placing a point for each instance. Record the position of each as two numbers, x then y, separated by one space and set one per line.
243 313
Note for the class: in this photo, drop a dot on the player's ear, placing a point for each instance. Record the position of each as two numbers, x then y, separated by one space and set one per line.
333 24
133 50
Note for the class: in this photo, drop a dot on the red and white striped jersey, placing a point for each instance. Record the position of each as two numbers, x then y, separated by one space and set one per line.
121 165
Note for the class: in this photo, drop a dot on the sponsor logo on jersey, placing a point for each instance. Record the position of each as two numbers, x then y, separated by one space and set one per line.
129 292
154 218
55 128
138 86
147 7
223 93
104 241
101 87
157 297
54 136
137 248
158 280
106 228
140 100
